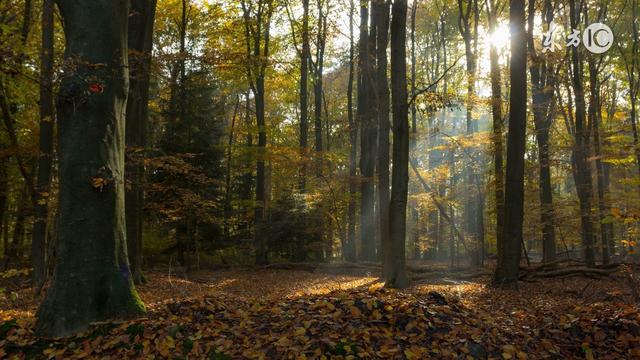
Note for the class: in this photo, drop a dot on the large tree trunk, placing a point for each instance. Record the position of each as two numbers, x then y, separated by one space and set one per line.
543 79
140 46
45 153
349 251
509 252
581 147
92 281
396 276
381 15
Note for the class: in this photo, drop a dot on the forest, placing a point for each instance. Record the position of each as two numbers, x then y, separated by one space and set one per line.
319 179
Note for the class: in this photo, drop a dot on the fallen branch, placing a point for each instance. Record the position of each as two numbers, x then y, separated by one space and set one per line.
443 211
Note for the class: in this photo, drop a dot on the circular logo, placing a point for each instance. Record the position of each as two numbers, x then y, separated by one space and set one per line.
597 38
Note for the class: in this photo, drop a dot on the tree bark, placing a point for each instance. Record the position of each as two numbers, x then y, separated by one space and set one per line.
304 96
509 252
45 151
498 128
92 280
381 14
257 37
396 277
469 32
581 146
365 119
349 252
318 73
141 23
543 79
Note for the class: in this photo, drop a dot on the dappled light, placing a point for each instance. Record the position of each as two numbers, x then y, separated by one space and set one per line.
319 179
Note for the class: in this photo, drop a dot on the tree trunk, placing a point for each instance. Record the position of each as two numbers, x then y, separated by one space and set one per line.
92 280
381 14
14 249
470 36
227 178
140 45
509 253
304 98
543 79
396 276
318 74
496 111
45 151
595 117
350 249
581 147
367 159
257 37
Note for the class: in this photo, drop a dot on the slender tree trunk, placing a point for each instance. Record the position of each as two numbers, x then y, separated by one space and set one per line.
509 253
596 119
350 249
634 82
496 111
45 153
300 251
396 277
247 178
469 31
543 79
318 74
228 190
304 98
141 23
257 37
583 171
14 249
92 280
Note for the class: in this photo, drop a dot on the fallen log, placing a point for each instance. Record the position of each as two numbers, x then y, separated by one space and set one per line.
291 266
569 271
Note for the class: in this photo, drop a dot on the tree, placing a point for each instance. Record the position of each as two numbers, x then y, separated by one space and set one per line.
45 155
381 14
92 281
304 97
468 25
496 112
318 73
396 276
509 251
582 174
140 46
543 77
366 118
349 250
257 23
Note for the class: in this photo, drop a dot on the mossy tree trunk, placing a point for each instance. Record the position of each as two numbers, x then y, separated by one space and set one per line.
92 281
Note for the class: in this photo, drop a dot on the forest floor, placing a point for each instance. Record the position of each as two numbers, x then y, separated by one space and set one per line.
292 314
